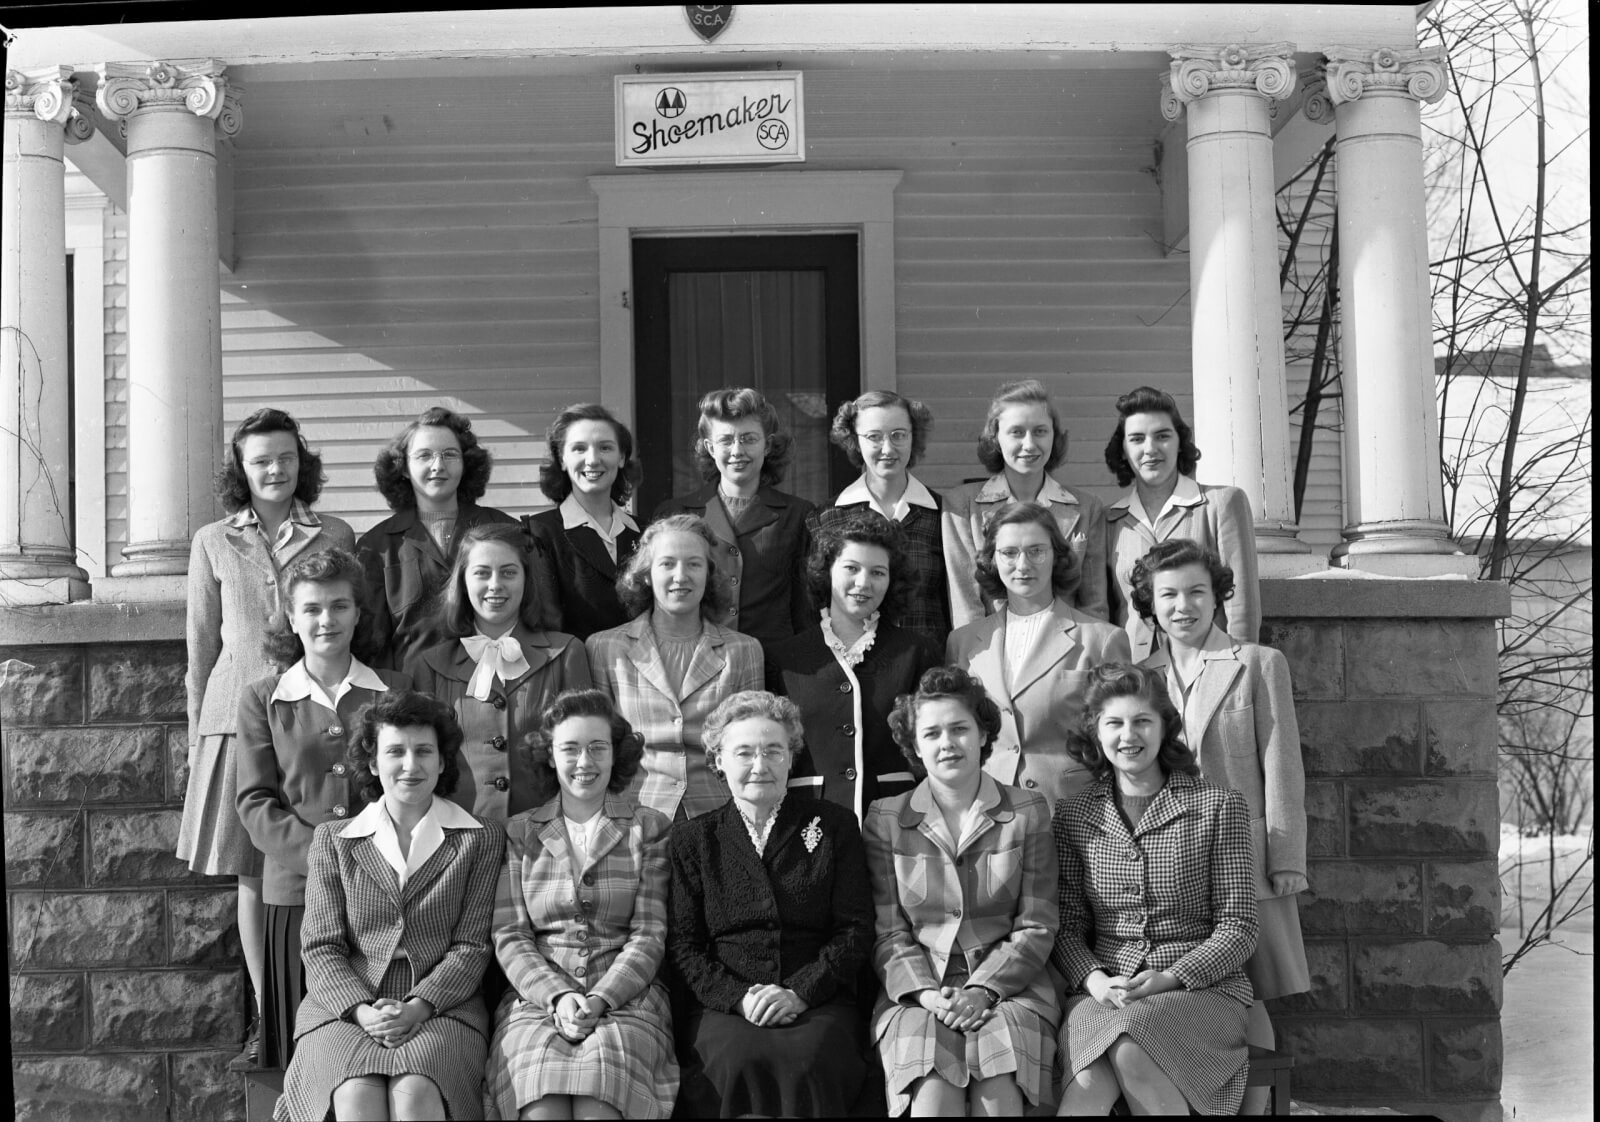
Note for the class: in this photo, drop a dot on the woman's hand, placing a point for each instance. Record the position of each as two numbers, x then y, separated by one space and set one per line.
377 1018
1108 991
1148 983
970 1008
770 1005
410 1016
1287 884
576 1015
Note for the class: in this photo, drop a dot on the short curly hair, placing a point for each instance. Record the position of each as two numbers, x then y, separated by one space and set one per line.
453 609
943 683
404 709
1147 399
843 432
232 486
735 404
553 478
326 566
741 707
1175 553
393 473
1028 392
633 582
864 527
1066 569
1120 679
627 746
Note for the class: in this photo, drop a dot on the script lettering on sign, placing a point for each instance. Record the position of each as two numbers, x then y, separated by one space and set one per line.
669 119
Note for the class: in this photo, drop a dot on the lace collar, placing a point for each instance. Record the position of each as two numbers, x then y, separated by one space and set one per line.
850 654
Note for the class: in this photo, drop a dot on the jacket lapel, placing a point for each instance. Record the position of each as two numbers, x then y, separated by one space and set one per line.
366 855
1166 806
553 834
587 545
721 528
536 649
1222 668
708 661
451 662
996 809
248 544
438 861
786 827
767 509
615 817
646 656
298 545
1059 640
987 662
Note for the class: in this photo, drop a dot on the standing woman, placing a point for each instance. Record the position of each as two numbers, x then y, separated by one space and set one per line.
268 481
496 668
1023 441
1035 654
432 475
759 531
885 435
591 473
1153 449
1238 716
845 671
585 1031
671 666
964 882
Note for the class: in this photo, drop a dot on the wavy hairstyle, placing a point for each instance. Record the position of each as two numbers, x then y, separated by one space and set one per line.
864 527
1111 680
1066 569
843 432
231 484
633 582
627 746
1028 392
553 478
1147 399
404 709
1175 553
730 404
453 610
326 566
741 707
392 468
943 683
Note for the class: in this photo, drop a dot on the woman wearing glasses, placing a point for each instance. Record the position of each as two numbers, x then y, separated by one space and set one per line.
1035 654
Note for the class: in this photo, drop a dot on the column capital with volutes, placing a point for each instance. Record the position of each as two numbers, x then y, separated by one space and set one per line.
198 85
1264 69
1351 74
54 95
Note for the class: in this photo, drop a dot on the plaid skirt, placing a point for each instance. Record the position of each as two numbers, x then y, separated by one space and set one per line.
210 836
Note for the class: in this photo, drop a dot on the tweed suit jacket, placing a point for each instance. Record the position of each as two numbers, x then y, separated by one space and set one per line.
235 592
992 901
358 918
585 576
1177 894
1043 702
927 608
1079 514
627 664
1240 722
1219 518
598 925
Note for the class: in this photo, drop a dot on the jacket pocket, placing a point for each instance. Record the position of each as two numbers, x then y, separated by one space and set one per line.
911 878
1002 874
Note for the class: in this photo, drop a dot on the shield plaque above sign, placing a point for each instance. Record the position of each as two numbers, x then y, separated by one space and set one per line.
709 20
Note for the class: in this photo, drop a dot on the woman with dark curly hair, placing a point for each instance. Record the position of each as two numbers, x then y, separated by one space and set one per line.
1153 454
590 475
392 1025
964 881
885 435
1022 442
845 671
268 481
585 1030
432 475
760 531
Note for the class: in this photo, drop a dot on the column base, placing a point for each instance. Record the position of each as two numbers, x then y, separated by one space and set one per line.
141 589
1281 553
31 592
152 559
1404 549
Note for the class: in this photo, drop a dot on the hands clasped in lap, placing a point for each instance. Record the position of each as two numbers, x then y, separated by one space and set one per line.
391 1023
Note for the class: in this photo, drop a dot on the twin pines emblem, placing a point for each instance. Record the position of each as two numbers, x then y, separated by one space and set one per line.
709 20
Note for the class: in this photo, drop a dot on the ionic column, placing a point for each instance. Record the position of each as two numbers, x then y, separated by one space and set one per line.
37 557
1394 496
172 113
1241 407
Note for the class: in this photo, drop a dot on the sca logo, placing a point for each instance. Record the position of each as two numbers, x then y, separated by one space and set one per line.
670 102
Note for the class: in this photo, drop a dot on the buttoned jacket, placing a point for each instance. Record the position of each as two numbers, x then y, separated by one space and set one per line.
585 576
992 900
596 924
627 664
1219 518
1041 700
358 919
236 591
764 560
1240 722
1176 893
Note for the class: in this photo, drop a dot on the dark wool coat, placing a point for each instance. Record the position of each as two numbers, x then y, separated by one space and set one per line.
585 576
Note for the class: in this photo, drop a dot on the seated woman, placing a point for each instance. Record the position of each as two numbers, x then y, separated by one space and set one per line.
771 921
585 1030
392 1026
964 879
1156 868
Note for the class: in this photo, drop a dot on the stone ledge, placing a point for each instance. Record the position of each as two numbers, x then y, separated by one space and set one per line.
1351 597
60 625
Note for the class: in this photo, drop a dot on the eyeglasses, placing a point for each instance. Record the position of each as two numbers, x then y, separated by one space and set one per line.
744 440
767 755
428 456
262 462
899 437
1012 554
593 751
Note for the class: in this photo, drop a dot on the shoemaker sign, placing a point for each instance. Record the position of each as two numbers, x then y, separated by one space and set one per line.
756 118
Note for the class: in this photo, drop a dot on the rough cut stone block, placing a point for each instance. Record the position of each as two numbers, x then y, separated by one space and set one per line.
205 927
115 764
1427 977
177 762
80 930
1423 658
1463 738
1330 981
1453 817
47 1012
1463 898
1348 897
128 1088
1464 1058
1325 818
1361 737
166 1009
1353 1060
135 847
203 1090
42 686
44 850
138 682
1315 652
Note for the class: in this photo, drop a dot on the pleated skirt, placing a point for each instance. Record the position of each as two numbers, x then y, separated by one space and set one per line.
285 984
913 1043
210 836
1278 966
812 1068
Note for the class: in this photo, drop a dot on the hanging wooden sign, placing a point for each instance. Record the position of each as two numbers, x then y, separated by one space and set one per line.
744 118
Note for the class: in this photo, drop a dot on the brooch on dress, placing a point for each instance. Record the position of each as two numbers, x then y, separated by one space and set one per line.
812 834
